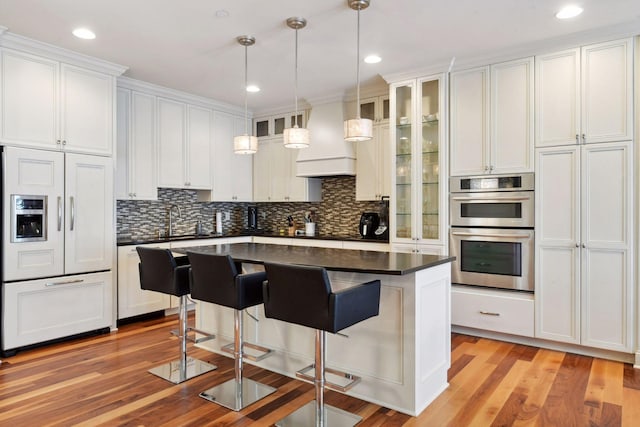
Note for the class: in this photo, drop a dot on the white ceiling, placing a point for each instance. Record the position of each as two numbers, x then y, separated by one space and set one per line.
184 46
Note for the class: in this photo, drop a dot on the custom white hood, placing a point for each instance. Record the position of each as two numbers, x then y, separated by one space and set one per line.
328 154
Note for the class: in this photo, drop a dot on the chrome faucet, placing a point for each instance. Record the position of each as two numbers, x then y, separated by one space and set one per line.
171 217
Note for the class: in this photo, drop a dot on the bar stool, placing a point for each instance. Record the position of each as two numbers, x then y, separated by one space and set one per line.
302 295
215 279
161 272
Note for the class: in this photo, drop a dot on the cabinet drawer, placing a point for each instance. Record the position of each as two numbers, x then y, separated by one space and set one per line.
498 311
40 310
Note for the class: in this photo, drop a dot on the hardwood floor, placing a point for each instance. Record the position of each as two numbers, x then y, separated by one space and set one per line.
103 380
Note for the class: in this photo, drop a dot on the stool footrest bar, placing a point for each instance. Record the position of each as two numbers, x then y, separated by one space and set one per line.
207 336
353 379
266 352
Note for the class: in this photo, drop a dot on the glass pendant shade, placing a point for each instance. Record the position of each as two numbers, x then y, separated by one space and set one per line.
358 130
245 144
296 137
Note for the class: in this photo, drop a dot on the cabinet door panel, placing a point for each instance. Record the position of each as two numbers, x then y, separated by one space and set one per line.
557 98
469 121
29 99
367 169
171 161
89 213
34 172
199 148
607 102
87 110
262 172
242 167
512 116
123 145
142 153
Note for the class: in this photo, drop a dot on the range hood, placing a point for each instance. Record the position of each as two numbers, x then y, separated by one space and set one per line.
328 154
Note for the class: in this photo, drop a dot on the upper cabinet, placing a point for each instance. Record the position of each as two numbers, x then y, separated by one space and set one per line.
373 165
585 95
492 119
232 173
184 140
268 127
136 166
375 109
418 203
274 175
49 104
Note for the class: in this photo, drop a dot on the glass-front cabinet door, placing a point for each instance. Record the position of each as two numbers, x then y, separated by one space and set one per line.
419 199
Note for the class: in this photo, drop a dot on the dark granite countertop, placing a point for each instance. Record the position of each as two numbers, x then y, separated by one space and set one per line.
146 240
358 261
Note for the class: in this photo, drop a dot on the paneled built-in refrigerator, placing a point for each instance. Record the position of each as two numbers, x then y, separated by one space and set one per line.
57 281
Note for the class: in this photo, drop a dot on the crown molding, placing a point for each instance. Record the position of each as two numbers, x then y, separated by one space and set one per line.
157 90
18 42
597 35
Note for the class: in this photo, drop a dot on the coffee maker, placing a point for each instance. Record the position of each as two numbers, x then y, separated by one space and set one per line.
252 217
369 222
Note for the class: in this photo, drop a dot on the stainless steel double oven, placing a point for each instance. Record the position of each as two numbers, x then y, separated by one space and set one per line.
492 220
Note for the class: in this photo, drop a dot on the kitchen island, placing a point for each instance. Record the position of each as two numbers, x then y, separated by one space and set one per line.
402 355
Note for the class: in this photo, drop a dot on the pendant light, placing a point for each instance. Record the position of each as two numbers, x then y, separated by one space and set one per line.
296 137
358 129
246 143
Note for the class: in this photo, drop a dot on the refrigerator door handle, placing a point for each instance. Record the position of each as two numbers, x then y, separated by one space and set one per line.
73 212
59 213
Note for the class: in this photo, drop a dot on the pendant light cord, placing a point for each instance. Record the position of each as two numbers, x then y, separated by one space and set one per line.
295 90
246 115
358 69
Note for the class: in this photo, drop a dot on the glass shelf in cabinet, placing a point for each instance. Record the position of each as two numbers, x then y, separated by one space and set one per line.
431 183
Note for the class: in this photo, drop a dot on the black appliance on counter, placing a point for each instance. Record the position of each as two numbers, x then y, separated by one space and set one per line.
369 222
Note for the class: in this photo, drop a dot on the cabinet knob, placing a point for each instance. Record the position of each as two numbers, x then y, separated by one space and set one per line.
486 168
584 138
491 167
577 245
584 246
577 139
64 142
58 141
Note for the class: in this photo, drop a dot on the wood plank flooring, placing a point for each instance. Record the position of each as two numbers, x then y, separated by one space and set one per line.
103 381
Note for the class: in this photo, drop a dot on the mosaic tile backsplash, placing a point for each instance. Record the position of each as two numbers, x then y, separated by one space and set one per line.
337 214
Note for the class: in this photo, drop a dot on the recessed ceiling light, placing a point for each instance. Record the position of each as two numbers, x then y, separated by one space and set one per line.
84 33
372 59
253 88
222 13
570 11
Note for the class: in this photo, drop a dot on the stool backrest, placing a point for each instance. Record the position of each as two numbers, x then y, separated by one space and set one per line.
298 294
213 278
158 272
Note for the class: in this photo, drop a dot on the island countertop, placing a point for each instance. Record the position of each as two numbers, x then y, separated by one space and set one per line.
358 261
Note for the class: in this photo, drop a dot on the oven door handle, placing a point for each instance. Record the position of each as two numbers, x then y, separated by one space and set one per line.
493 199
506 236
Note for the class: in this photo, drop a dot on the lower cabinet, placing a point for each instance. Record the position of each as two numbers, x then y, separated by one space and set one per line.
492 310
64 305
133 301
417 248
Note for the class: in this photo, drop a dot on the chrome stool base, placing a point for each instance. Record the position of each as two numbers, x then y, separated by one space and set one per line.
237 395
306 416
177 371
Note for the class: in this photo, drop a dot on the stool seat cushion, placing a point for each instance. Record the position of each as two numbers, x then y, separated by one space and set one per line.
161 272
215 279
302 295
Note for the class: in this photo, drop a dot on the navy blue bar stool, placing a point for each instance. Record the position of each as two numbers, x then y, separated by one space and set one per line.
216 279
302 295
161 272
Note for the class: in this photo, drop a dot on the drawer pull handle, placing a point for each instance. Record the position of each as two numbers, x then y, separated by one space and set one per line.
489 313
67 282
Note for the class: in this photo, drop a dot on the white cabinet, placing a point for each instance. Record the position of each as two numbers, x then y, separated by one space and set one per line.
492 119
416 248
375 109
373 165
79 192
268 127
132 300
136 173
274 175
232 173
184 141
48 104
584 238
64 306
419 205
493 310
584 95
